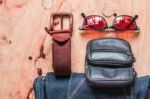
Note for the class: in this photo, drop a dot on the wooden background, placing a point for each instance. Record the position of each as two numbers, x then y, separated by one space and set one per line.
22 35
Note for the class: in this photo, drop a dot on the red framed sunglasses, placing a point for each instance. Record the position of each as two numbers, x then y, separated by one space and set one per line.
96 22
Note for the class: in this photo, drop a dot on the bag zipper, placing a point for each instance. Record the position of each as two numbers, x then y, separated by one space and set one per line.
111 50
114 50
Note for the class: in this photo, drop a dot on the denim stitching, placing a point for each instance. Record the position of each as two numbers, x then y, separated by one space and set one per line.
68 94
76 88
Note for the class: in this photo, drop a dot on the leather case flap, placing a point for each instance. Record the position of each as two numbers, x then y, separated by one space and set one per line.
109 52
110 43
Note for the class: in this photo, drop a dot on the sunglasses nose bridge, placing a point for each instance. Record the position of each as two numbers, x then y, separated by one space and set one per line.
112 27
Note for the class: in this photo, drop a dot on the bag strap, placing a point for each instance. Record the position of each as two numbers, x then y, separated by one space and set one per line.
61 48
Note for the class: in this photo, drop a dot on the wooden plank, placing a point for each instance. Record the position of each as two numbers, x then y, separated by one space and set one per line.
22 35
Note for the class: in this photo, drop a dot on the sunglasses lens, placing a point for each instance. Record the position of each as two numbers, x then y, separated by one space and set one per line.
94 22
124 22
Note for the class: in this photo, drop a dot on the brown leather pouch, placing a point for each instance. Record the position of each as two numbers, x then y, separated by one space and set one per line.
61 47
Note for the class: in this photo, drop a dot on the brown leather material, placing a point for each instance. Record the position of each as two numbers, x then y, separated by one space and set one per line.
62 58
59 31
61 47
61 37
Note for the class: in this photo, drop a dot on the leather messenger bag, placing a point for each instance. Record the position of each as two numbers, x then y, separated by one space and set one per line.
61 47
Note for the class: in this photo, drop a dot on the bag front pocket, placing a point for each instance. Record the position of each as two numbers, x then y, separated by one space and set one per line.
102 76
110 57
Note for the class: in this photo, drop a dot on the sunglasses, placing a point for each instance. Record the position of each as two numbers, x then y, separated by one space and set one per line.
122 22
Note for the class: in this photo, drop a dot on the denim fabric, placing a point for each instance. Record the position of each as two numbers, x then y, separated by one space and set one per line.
141 88
39 88
148 95
79 89
56 88
76 87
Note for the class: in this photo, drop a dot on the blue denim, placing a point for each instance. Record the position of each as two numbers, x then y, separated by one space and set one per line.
76 87
56 88
39 88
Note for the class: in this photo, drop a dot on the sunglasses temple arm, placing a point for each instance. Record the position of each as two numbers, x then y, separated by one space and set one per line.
133 20
83 15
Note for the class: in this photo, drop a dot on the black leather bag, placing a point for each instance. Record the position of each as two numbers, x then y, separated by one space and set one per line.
109 63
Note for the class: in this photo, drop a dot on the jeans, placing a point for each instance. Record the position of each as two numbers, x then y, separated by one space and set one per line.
76 87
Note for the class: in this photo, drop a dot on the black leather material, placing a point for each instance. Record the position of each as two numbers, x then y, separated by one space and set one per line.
110 51
109 77
109 63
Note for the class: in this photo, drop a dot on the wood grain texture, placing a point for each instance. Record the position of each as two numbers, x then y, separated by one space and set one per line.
22 34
